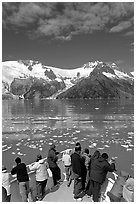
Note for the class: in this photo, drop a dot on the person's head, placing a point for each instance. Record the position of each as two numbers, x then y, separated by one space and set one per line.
78 149
52 146
18 160
96 154
105 156
86 150
39 157
78 144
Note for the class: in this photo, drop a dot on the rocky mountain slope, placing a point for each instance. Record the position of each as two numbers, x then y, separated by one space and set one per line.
30 79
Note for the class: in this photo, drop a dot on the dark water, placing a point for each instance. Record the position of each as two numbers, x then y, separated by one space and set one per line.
28 127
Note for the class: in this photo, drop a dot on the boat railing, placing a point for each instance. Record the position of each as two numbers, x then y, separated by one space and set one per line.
32 171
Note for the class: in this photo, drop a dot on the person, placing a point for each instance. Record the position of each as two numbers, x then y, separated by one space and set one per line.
6 182
67 163
99 170
128 190
116 192
76 161
96 155
84 172
4 195
40 166
22 178
52 159
87 161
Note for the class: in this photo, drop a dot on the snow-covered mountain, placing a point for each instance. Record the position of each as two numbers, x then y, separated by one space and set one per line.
31 79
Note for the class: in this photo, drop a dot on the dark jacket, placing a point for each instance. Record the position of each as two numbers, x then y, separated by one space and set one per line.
52 158
99 169
4 195
77 162
21 172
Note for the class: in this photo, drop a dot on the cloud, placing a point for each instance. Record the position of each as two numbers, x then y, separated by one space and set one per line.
63 20
129 33
121 26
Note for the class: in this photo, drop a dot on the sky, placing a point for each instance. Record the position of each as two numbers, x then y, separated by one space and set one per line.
69 34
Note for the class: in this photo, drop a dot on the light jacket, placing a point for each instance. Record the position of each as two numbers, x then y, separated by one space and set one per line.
66 159
41 170
128 190
6 181
117 188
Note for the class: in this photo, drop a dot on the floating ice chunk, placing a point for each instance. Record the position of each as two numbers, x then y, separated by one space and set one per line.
32 146
77 131
18 149
100 148
130 133
4 146
55 136
72 142
60 141
97 108
66 133
106 146
93 145
18 144
125 145
129 149
19 153
131 145
40 148
13 153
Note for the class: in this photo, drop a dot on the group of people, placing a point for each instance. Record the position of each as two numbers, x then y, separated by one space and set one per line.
41 168
88 172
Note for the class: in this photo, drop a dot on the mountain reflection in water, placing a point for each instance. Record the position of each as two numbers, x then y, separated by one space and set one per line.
28 127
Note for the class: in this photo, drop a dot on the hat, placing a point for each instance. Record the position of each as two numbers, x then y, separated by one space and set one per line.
18 160
3 168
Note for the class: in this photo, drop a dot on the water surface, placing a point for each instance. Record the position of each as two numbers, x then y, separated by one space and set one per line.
29 126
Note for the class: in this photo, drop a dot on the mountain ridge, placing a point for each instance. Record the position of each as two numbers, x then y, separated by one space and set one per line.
31 79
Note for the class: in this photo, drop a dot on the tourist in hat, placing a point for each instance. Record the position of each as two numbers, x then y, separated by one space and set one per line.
77 168
52 161
23 179
40 167
6 183
98 172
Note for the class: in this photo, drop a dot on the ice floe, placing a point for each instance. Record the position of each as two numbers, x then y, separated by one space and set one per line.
129 149
100 148
19 153
13 153
6 149
93 145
